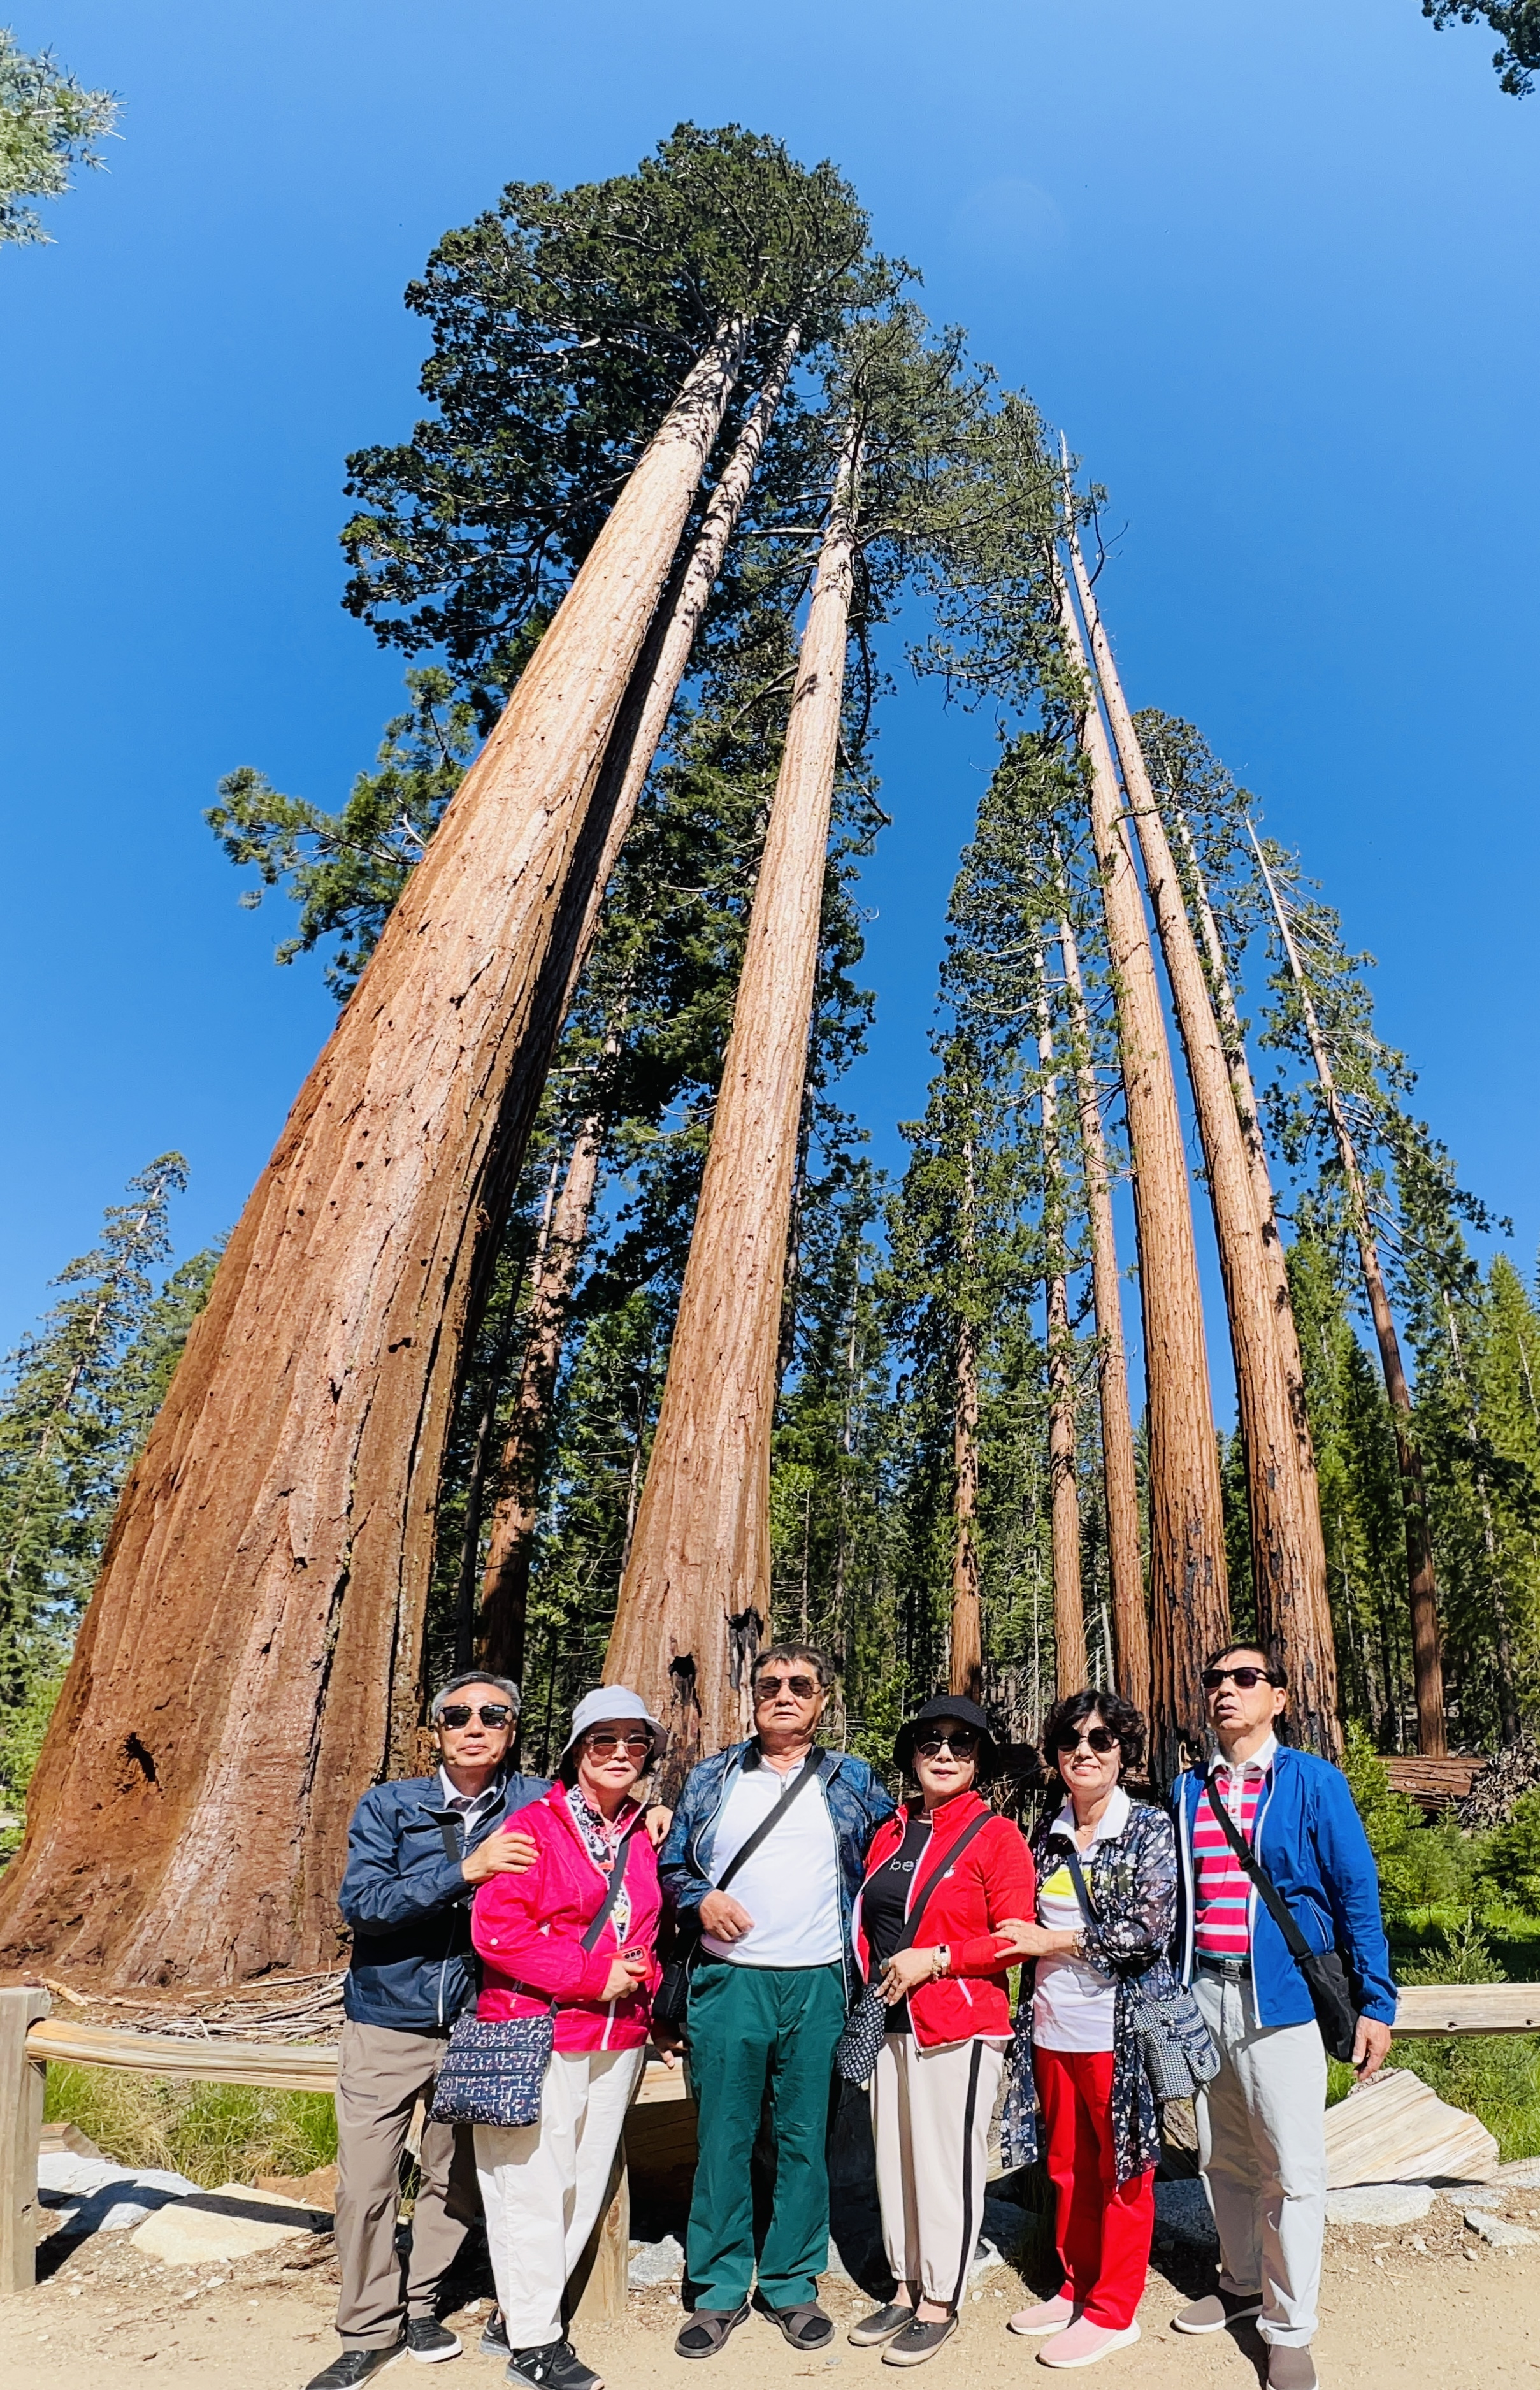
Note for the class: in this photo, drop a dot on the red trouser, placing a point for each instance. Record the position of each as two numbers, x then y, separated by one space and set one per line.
1103 2226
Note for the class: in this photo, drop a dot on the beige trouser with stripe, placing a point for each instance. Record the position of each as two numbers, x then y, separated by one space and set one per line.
381 2076
930 2118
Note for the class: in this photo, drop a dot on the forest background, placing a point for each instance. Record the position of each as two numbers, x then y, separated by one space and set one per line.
1267 281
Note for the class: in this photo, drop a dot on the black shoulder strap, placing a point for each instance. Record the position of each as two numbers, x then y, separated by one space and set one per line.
1272 1899
617 1877
1082 1890
916 1912
813 1767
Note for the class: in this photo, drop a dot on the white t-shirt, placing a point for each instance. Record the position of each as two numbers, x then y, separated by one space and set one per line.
1073 2003
790 1887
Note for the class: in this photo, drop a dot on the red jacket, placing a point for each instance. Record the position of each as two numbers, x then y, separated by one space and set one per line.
995 1880
528 1929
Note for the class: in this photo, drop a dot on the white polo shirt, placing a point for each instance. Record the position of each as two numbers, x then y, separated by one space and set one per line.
790 1887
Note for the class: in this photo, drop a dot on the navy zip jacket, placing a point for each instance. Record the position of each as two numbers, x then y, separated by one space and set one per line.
1309 1838
409 1905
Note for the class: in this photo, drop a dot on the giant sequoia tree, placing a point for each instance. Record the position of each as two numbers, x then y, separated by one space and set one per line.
289 1490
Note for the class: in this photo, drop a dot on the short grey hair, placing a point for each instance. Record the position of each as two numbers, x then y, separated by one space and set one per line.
503 1684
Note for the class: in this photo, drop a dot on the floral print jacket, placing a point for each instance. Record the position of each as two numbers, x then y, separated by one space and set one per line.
1133 1883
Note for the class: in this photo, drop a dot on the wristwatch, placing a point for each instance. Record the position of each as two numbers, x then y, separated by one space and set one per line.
943 1958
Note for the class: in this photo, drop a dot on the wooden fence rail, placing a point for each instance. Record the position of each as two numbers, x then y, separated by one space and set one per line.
30 2038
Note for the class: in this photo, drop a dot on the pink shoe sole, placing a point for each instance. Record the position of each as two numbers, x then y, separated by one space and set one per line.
1052 2314
1076 2347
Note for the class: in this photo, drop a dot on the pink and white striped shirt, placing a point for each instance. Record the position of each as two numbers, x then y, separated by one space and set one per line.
1221 1903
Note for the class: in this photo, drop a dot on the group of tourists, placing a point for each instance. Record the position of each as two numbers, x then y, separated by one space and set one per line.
506 1983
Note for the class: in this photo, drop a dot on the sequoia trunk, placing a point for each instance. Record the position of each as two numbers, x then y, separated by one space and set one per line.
966 1665
695 1597
1120 1476
1288 1550
250 1659
1188 1588
1422 1581
1069 1614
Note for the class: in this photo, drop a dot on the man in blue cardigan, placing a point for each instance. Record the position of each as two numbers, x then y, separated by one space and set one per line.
1261 2137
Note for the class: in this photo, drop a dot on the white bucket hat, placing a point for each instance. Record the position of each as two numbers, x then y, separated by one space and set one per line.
603 1705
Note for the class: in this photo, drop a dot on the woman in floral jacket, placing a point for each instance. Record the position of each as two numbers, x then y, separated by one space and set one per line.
1093 1939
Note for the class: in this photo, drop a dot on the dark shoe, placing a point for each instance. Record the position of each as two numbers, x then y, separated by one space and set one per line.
1220 2309
494 2335
875 2329
557 2366
806 2327
710 2328
430 2342
355 2365
918 2340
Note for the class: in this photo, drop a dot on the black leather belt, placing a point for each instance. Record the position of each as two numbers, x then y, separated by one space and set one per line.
1231 1971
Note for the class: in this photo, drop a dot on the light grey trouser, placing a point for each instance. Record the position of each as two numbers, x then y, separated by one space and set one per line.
380 2075
1262 2153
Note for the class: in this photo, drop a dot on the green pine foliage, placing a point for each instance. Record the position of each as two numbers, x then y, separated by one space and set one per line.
48 123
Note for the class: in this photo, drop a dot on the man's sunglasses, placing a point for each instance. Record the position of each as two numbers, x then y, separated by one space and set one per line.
604 1746
1246 1678
962 1742
459 1713
1099 1739
766 1688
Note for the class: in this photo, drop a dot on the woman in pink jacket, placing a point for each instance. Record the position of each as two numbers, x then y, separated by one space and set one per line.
541 2185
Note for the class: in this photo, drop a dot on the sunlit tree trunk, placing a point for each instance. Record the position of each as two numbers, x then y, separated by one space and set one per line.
1068 1613
965 1644
1288 1550
250 1661
695 1597
1188 1588
1120 1476
1422 1581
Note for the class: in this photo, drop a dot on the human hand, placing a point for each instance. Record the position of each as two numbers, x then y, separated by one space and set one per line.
1023 1940
509 1852
667 2040
656 1823
904 1972
725 1919
623 1977
1371 2047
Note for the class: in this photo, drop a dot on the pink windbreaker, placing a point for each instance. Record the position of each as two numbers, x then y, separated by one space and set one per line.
528 1931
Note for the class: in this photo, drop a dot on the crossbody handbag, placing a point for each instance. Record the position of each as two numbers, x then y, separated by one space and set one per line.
1174 2043
671 2000
858 2047
1326 1978
493 2070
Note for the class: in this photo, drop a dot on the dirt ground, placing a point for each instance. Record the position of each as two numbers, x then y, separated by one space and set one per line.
1449 2312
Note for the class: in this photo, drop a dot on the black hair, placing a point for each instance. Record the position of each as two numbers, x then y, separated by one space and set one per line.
1268 1653
1119 1716
782 1654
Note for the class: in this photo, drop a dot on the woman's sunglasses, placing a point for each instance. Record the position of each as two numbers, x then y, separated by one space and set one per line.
1247 1678
604 1746
962 1742
1099 1738
459 1713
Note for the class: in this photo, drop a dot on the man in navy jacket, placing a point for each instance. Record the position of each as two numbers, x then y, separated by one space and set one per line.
416 1853
1261 2138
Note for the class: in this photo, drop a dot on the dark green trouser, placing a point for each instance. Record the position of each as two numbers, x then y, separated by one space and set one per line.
750 2028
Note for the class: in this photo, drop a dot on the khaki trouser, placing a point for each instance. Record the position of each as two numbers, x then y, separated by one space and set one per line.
1261 2155
543 2186
381 2076
930 2119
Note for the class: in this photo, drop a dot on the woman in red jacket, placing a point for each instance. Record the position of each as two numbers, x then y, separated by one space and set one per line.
542 2184
948 2015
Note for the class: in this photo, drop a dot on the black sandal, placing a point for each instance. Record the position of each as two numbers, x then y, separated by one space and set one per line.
806 2327
709 2330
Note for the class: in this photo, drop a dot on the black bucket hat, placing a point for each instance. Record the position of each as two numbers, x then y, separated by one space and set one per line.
948 1705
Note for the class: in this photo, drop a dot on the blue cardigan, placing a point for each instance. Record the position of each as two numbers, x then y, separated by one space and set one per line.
1310 1840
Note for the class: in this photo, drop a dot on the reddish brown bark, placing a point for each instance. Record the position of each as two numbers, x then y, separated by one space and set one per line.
250 1659
695 1597
1422 1581
1288 1550
966 1651
1188 1587
1120 1476
1069 1610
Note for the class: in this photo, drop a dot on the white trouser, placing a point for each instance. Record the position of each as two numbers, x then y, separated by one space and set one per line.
1262 2153
542 2184
930 2119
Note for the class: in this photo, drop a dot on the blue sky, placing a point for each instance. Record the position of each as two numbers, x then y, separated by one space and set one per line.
1273 269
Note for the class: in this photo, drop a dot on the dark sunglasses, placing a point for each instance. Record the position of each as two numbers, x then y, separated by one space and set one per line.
962 1742
604 1746
766 1688
459 1713
1099 1739
1246 1678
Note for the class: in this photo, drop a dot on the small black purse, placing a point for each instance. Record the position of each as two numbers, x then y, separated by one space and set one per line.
1326 1978
860 2046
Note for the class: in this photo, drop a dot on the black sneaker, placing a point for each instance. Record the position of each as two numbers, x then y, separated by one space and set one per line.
494 2335
354 2366
557 2366
428 2342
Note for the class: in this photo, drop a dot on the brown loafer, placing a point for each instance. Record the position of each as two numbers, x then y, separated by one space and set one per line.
873 2330
918 2340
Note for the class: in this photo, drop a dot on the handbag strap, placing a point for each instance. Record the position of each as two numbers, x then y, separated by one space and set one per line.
911 1923
1272 1899
1077 1873
812 1767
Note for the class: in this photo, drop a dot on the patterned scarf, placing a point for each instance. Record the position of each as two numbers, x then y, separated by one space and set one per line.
601 1838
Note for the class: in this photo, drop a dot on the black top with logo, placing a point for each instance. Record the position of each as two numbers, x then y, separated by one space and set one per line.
883 1904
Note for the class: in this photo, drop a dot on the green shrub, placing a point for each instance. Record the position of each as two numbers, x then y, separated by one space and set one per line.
212 2132
1508 1858
1496 2076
